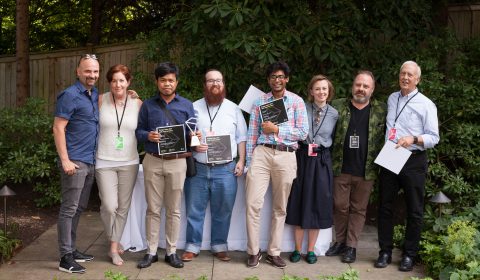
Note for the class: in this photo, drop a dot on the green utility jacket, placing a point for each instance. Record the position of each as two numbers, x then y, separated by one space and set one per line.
376 135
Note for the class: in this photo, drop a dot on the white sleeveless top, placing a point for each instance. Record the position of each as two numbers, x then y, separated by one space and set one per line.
107 155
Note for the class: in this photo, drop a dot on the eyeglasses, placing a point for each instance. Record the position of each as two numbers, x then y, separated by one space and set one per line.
87 55
275 77
212 81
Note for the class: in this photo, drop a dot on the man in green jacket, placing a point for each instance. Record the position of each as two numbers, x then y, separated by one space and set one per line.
358 139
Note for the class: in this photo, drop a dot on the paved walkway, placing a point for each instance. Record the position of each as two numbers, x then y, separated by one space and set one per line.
40 261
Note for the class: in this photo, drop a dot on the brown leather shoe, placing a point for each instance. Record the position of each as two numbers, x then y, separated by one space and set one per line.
223 256
253 260
188 256
276 261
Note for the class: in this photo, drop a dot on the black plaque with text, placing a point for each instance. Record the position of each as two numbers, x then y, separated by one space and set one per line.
172 139
274 111
219 148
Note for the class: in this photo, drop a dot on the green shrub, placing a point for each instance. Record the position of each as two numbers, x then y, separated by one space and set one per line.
398 236
110 275
27 150
452 251
7 246
350 274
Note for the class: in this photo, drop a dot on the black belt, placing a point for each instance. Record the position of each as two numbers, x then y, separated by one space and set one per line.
172 156
281 148
417 152
213 164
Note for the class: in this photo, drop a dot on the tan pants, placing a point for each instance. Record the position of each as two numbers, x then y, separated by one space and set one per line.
163 185
115 187
350 196
281 168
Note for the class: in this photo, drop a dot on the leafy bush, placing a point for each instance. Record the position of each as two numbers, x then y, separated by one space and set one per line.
398 236
350 274
452 250
27 150
7 246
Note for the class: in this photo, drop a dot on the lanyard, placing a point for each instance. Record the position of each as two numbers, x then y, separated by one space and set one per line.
355 121
318 129
119 123
210 116
396 111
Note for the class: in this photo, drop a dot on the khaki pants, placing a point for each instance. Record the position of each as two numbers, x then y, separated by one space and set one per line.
350 196
163 185
281 168
115 187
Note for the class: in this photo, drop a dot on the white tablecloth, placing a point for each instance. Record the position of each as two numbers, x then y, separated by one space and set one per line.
134 234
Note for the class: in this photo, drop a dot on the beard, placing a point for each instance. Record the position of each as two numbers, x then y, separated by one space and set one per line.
214 99
361 99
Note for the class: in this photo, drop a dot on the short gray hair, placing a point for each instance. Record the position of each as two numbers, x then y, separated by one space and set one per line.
419 71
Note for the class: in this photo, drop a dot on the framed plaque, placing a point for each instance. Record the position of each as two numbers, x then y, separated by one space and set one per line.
219 148
172 139
274 111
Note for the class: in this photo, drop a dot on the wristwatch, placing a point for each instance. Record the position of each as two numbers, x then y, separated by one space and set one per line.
415 140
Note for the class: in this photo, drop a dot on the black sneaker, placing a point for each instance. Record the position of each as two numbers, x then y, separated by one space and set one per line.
81 257
68 264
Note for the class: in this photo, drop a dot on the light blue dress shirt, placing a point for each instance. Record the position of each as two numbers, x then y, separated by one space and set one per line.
228 120
418 118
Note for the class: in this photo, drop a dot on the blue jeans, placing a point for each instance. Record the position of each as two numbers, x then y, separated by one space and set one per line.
75 194
219 185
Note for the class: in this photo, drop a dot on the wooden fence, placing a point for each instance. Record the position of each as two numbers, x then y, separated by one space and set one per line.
464 20
50 72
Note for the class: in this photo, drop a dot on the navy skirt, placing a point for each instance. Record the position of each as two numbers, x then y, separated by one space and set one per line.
310 204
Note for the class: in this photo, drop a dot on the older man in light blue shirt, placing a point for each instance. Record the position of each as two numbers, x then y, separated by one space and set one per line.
412 123
215 181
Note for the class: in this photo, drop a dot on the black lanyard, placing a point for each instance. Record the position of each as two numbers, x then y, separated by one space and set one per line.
210 116
323 119
119 123
396 111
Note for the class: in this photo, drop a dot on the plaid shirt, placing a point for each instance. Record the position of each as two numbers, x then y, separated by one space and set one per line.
295 129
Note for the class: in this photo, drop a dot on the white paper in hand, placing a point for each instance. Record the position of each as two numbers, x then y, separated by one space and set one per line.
249 99
392 158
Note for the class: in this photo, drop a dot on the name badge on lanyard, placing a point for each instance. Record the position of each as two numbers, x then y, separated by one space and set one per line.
119 143
354 142
310 150
392 133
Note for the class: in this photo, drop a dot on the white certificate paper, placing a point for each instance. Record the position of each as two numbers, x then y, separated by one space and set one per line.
249 99
392 158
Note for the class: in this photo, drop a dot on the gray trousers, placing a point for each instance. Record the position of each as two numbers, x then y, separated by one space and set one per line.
75 194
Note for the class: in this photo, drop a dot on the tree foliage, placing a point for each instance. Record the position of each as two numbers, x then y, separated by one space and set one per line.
331 37
59 24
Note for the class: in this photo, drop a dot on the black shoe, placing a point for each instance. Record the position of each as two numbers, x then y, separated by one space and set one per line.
406 264
147 260
336 249
68 264
384 259
350 255
81 257
174 260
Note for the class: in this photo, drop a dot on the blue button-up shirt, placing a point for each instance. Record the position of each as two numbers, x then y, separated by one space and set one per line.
152 116
81 110
419 118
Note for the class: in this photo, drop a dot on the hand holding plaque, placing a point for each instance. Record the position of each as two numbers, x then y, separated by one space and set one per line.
192 122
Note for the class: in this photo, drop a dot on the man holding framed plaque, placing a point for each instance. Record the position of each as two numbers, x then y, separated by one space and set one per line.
270 154
164 165
225 132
